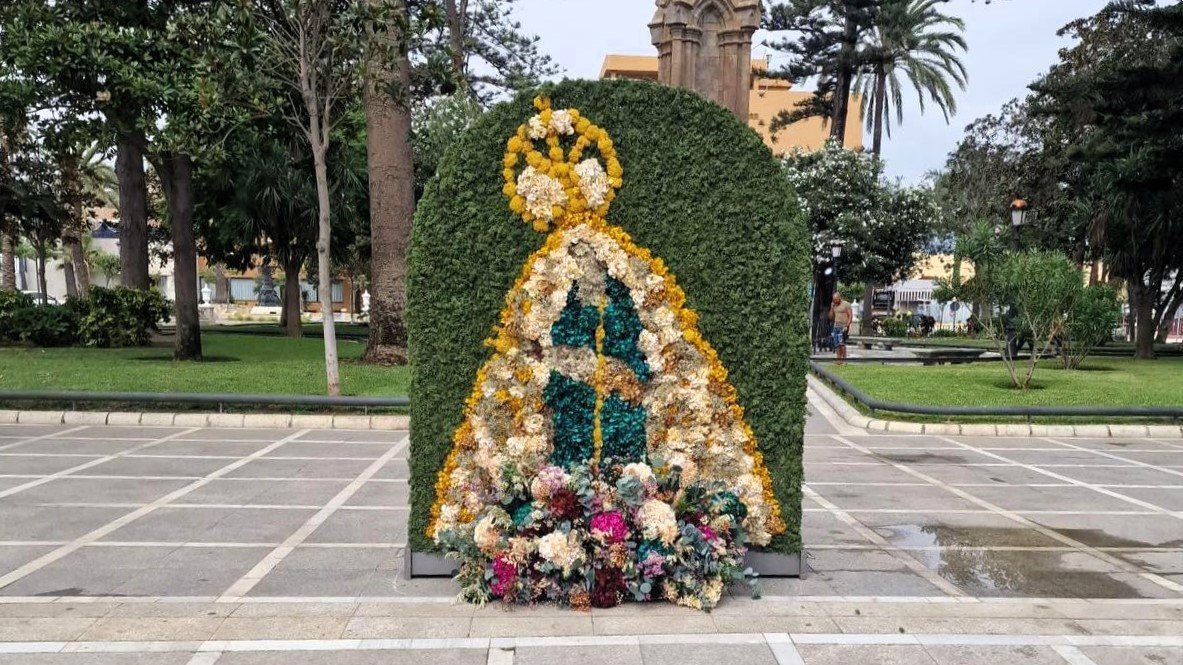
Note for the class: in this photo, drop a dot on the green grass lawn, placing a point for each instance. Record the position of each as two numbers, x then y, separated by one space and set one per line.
1099 382
235 363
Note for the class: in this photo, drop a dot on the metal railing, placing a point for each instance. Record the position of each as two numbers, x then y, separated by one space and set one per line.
221 400
874 404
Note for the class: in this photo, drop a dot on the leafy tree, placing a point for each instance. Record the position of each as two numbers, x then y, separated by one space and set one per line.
489 53
1091 321
913 41
881 227
827 42
435 124
1117 96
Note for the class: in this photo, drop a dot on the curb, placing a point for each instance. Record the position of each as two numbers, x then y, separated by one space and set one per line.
853 417
229 420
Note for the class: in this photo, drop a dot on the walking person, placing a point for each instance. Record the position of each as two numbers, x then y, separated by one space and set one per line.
841 313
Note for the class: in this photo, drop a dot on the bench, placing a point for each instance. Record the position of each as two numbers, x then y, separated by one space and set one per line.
951 356
871 342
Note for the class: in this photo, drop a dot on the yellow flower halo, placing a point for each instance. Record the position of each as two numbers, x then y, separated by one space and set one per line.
549 185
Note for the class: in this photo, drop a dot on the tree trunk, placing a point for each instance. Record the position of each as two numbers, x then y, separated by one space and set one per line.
457 13
323 269
221 285
68 271
1145 330
8 258
842 82
392 206
176 176
81 268
879 109
823 293
133 213
42 287
865 327
291 296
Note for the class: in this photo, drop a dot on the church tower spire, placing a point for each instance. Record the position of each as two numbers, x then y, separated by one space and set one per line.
706 46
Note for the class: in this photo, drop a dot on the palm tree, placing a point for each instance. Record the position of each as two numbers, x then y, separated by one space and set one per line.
95 183
912 40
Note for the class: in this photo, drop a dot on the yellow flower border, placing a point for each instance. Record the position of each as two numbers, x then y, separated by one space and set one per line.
687 321
559 164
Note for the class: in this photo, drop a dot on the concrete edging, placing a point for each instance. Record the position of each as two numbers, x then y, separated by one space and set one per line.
1100 431
195 419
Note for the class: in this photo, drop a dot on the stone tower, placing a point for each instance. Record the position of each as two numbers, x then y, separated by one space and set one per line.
706 46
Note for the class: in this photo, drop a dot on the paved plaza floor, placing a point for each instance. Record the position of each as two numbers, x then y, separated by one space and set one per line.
137 545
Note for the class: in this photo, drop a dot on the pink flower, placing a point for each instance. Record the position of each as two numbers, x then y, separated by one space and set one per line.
708 533
609 527
505 575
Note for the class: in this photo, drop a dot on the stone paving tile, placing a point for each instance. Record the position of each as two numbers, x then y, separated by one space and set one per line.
655 625
395 627
305 610
244 525
167 524
957 626
22 522
423 610
159 466
6 483
1059 457
820 560
318 449
92 490
281 628
22 431
381 494
529 626
136 629
988 475
1117 530
758 622
72 447
1121 474
349 558
833 654
1154 561
1134 655
599 655
315 582
994 655
43 466
291 468
1171 499
119 432
1064 497
395 468
193 571
56 609
354 435
879 473
825 529
56 629
850 497
266 492
182 447
878 583
15 556
954 530
360 526
707 654
238 434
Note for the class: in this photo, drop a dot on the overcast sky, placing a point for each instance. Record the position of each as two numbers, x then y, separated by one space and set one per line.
1010 43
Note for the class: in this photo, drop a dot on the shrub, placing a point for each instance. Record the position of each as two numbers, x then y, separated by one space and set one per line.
45 325
1091 321
701 191
943 332
893 327
11 302
120 316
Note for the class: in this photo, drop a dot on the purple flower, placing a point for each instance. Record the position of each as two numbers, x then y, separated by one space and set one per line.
609 527
505 575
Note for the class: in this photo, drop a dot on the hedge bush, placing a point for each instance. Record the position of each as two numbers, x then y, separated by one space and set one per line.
105 318
701 191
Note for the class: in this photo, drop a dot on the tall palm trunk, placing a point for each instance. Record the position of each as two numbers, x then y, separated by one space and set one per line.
81 269
176 175
42 286
392 199
8 257
843 81
879 109
133 212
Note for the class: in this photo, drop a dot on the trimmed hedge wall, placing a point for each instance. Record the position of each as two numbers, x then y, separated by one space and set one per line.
701 191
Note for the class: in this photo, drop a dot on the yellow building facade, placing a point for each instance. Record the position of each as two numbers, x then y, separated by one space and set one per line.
767 98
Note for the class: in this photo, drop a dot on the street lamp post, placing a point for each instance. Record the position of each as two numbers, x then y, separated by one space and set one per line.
1018 217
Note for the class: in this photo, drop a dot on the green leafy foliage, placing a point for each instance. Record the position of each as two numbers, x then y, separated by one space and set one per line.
893 327
1094 315
120 316
701 191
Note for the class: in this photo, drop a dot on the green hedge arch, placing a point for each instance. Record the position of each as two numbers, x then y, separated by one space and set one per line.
701 190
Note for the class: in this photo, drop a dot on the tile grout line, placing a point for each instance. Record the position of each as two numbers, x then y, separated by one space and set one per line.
835 420
866 532
1072 655
1079 483
54 555
205 658
95 462
268 563
42 437
783 649
1011 515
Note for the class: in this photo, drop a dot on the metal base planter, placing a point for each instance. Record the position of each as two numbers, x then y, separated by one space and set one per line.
767 564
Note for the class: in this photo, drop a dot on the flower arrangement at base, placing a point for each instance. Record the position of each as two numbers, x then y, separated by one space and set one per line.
603 455
585 537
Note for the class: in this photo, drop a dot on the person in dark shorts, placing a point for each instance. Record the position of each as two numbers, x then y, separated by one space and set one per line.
841 313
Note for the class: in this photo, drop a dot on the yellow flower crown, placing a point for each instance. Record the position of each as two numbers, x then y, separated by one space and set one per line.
545 188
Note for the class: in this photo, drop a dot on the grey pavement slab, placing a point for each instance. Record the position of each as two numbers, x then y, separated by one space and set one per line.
319 449
362 526
19 521
1134 655
193 571
397 468
994 655
403 657
91 490
707 654
41 466
120 432
95 659
354 435
381 494
74 447
833 654
299 468
238 434
159 466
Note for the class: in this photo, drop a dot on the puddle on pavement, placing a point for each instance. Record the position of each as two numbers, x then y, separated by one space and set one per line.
955 556
922 458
